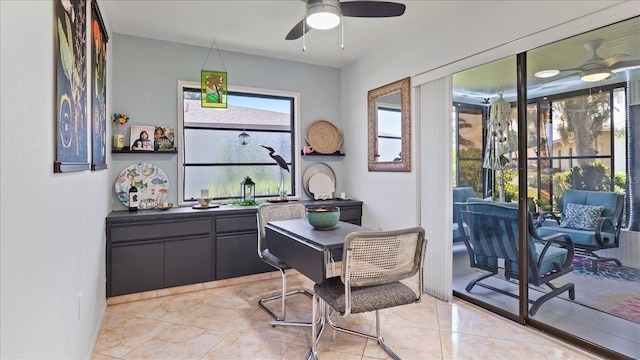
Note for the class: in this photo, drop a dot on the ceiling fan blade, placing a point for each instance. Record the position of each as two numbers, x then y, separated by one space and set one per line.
298 31
610 61
624 64
372 9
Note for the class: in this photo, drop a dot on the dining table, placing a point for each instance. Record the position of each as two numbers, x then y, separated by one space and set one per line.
308 250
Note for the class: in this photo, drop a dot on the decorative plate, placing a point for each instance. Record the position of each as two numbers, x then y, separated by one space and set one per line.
324 137
314 169
151 181
322 186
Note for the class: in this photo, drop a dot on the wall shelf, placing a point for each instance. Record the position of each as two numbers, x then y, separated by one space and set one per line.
129 151
314 153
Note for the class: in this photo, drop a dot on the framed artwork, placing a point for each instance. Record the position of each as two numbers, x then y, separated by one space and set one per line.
72 150
164 138
99 39
214 89
142 137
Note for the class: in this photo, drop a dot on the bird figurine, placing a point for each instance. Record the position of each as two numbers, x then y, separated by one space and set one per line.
279 160
283 166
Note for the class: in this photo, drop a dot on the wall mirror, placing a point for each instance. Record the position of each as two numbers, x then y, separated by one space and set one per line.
390 127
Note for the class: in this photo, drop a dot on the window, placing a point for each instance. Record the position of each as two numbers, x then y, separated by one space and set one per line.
221 147
469 143
580 142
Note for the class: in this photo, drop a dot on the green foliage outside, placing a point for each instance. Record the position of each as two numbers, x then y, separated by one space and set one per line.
470 171
594 176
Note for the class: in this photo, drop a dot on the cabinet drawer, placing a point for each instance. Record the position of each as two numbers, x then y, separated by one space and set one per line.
236 223
137 231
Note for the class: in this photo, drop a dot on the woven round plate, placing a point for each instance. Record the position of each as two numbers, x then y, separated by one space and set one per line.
324 137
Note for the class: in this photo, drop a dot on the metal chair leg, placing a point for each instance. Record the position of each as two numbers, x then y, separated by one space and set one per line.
280 320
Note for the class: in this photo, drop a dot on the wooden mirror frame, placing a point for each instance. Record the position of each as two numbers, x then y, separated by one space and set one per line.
404 86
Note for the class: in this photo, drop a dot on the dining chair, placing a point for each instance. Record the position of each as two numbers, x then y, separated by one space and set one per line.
373 265
275 212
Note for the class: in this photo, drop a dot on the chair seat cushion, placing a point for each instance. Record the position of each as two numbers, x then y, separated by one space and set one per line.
553 255
365 298
579 237
273 260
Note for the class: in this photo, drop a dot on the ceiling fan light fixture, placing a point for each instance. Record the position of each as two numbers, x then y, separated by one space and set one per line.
546 73
323 16
595 74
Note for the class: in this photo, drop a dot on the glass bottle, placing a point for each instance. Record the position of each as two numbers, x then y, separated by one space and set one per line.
118 138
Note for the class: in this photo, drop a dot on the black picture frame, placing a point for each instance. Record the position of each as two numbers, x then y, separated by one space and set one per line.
99 40
72 150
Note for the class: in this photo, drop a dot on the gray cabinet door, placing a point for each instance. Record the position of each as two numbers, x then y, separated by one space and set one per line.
136 267
237 255
187 261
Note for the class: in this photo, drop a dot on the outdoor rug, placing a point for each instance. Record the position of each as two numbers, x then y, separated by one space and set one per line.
613 289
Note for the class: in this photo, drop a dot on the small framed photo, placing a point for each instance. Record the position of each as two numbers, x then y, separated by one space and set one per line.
142 137
163 138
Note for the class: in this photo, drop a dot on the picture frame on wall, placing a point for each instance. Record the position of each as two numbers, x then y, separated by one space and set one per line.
99 39
72 148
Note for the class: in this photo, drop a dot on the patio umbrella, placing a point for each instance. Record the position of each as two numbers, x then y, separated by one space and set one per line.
501 141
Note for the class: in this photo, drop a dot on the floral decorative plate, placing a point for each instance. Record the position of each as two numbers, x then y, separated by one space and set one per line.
151 181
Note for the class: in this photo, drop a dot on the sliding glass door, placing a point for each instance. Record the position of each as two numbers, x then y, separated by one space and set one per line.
575 146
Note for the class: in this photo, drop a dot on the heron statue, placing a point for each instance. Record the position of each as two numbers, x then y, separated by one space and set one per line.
283 166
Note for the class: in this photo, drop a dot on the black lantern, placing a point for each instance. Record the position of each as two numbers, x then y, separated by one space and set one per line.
248 189
244 138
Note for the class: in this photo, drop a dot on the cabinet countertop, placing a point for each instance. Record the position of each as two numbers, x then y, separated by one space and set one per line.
187 211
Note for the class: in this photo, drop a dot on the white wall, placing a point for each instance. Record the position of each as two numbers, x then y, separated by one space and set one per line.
145 77
52 225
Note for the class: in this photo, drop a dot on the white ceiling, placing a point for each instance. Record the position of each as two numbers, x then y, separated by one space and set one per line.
489 79
259 27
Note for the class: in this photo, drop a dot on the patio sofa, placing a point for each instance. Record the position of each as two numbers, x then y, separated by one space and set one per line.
592 219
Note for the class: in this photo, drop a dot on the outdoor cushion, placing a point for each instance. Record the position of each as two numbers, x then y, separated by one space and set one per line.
581 217
606 199
460 195
579 237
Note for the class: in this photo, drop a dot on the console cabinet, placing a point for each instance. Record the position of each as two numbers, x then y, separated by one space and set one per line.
154 249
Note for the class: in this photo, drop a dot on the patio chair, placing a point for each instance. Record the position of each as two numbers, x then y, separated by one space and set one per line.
274 212
460 196
593 220
493 246
373 265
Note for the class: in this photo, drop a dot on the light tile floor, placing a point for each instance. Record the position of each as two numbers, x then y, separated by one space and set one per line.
226 323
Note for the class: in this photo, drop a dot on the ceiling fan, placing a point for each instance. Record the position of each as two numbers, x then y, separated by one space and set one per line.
325 14
596 68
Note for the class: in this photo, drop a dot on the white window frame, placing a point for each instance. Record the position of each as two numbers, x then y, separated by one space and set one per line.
180 133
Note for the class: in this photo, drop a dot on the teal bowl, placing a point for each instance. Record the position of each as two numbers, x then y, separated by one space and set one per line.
323 218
